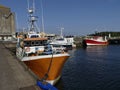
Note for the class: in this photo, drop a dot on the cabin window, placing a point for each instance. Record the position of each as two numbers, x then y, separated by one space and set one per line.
32 43
61 39
36 43
41 43
45 42
34 36
27 43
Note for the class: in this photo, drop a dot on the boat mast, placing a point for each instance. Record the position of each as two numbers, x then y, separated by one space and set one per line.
61 32
42 16
28 5
32 17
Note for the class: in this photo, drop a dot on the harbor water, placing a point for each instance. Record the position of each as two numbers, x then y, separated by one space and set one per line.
92 68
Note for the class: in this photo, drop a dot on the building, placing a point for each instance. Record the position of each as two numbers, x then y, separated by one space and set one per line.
7 23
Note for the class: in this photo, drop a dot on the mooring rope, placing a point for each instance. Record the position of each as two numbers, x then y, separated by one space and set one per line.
46 75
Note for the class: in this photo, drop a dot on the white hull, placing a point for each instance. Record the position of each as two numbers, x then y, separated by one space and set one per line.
53 82
91 44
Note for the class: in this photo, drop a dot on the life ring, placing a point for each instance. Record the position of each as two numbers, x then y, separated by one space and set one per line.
27 49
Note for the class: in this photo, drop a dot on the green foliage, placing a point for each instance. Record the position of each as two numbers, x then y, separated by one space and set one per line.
113 34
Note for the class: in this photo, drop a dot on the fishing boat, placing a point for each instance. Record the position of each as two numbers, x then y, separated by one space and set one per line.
44 60
96 40
67 42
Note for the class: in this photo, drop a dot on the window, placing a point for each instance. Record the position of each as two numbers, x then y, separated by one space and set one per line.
27 43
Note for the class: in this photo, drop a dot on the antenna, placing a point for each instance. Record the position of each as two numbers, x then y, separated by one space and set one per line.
33 5
31 10
28 5
61 32
42 16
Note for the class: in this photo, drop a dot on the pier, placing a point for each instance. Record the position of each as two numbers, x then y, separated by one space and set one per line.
14 76
114 40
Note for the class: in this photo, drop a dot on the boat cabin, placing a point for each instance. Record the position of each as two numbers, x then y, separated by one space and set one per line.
29 42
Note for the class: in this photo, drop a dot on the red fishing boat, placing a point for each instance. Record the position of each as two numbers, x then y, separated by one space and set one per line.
96 40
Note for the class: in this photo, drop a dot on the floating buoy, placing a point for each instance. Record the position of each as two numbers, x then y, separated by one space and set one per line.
27 49
46 86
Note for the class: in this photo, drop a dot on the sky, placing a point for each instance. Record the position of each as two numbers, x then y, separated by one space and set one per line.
77 17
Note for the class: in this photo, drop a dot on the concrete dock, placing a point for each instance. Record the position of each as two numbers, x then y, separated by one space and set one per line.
13 76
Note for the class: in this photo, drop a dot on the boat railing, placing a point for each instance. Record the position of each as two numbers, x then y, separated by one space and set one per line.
45 52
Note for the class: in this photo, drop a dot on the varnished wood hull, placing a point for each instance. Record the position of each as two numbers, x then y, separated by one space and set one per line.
40 66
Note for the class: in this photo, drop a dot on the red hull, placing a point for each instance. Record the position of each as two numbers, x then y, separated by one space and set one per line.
93 42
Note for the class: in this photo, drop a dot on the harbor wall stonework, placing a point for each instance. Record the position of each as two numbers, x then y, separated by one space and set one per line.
7 22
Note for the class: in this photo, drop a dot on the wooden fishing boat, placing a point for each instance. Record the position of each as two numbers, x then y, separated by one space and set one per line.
46 64
44 60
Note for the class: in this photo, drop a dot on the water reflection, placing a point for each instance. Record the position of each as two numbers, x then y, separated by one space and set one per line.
92 68
97 52
96 49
